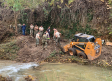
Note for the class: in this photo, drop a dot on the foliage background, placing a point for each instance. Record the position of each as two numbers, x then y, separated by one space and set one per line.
68 16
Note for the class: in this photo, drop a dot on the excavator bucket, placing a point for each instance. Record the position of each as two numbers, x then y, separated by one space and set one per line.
66 47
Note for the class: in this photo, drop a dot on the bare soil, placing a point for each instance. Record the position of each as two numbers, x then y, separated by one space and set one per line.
106 57
30 53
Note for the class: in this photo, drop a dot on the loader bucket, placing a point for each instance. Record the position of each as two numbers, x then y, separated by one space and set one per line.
109 43
66 47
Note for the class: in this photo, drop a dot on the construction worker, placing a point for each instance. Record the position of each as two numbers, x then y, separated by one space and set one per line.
48 30
47 34
57 35
54 36
23 29
35 30
44 41
31 30
37 38
41 30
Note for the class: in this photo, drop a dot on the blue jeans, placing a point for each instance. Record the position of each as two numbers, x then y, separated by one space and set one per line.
23 31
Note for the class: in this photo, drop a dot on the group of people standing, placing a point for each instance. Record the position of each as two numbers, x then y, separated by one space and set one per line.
41 36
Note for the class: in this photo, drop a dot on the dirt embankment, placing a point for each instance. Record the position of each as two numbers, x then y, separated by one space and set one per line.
106 57
104 60
3 32
30 53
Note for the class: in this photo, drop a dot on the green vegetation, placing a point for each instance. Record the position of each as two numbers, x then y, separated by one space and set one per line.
52 54
19 5
62 14
8 51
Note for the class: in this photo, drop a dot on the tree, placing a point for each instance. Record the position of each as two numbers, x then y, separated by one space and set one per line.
18 5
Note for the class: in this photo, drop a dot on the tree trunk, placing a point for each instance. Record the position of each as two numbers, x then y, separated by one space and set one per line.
15 19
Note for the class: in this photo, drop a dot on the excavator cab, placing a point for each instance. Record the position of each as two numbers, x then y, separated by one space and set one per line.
83 38
85 46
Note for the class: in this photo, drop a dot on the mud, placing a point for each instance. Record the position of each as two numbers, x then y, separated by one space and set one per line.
106 57
30 53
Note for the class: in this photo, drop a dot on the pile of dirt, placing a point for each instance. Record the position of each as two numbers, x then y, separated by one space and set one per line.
30 53
106 57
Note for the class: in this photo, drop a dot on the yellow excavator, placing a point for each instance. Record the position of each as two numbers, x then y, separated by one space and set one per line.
84 46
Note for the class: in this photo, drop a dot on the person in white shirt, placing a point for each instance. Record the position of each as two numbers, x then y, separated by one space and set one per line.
54 36
35 30
41 30
37 38
57 35
48 37
31 30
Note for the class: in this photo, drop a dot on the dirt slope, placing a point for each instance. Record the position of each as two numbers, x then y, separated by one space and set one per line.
106 57
29 53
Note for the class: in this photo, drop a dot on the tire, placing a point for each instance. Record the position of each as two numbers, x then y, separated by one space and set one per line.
82 55
72 51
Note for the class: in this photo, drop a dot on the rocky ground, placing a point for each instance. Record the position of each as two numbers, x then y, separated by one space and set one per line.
27 78
5 78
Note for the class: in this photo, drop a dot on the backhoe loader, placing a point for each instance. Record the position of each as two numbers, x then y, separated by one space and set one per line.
84 46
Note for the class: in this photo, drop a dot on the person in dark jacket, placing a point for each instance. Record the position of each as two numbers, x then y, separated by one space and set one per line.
23 29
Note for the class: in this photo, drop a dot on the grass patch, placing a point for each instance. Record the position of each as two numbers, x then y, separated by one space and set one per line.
8 51
52 54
